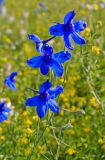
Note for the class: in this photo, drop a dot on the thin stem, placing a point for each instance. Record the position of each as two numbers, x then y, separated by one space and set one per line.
47 40
58 148
36 141
33 90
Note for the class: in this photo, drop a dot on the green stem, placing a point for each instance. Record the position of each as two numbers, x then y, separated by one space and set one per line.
35 140
58 148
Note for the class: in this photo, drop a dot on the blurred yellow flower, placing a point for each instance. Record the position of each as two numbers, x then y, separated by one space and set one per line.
27 122
23 140
1 130
86 32
27 151
71 151
95 6
36 118
41 149
100 141
6 122
87 129
2 138
96 50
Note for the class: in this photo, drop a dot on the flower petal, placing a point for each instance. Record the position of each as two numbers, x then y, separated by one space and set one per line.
34 38
45 86
62 56
39 46
67 40
41 111
9 83
69 16
57 68
2 104
78 39
35 101
6 109
13 74
57 29
3 117
53 106
35 62
79 25
47 49
54 92
44 68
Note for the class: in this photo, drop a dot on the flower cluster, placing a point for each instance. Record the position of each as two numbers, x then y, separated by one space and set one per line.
47 60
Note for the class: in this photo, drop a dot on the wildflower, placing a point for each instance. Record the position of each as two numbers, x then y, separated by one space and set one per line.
95 50
23 141
10 81
3 110
100 141
86 32
40 44
69 30
71 151
2 138
27 151
48 59
45 99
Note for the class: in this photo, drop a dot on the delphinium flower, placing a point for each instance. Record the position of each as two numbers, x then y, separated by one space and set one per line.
45 99
10 81
49 60
69 29
3 111
40 44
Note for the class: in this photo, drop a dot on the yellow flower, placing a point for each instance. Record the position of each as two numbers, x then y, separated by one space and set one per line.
94 102
86 32
1 130
87 129
36 118
41 149
71 151
25 114
23 141
29 131
2 138
7 40
101 141
27 151
6 122
96 50
96 7
27 122
61 113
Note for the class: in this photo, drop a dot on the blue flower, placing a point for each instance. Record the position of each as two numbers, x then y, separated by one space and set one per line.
49 60
40 44
37 41
10 81
45 99
3 111
69 29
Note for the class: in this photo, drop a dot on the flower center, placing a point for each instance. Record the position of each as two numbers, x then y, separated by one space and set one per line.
44 96
69 28
47 57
